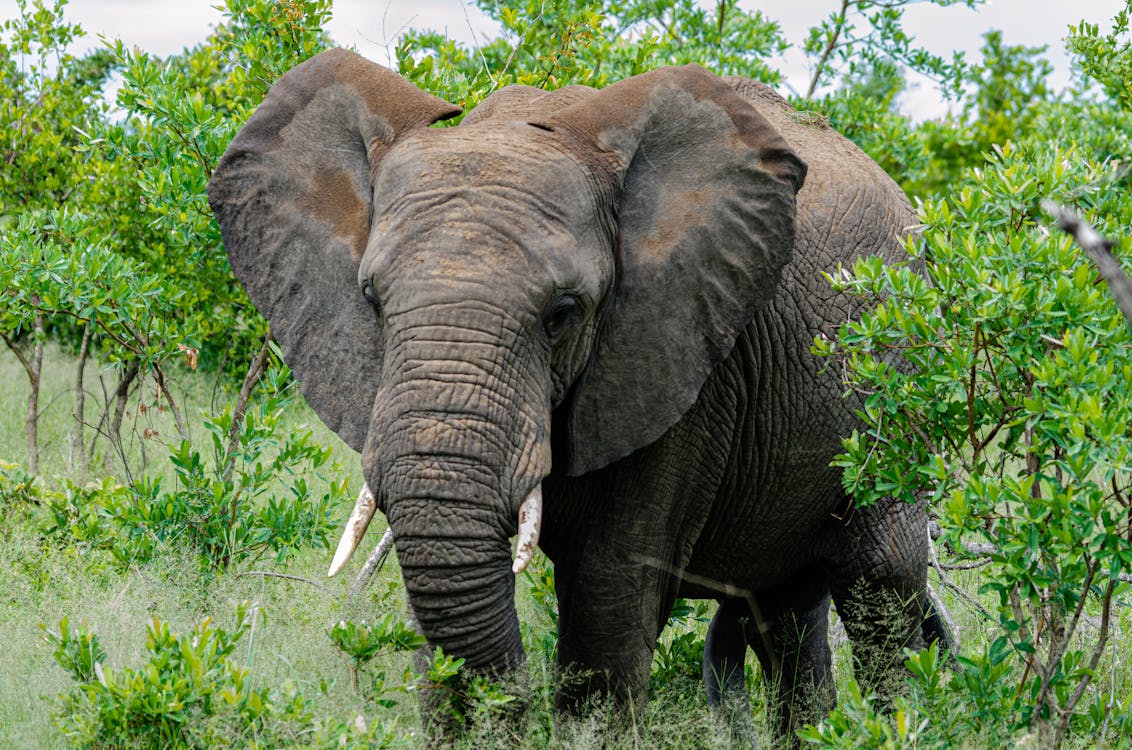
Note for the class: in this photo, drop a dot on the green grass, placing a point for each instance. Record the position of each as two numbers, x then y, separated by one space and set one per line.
44 578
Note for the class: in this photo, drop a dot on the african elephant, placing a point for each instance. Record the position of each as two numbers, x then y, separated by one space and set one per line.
595 307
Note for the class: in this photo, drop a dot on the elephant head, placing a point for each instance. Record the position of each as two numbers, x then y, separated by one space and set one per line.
443 294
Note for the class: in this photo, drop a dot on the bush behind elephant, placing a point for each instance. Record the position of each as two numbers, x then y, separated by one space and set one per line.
593 308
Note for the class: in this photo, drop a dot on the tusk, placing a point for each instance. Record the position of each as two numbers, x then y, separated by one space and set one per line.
530 520
355 529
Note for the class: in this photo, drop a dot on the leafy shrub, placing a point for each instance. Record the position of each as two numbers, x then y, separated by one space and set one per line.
460 697
996 380
228 507
18 490
1106 59
540 634
678 659
554 44
361 642
936 712
190 693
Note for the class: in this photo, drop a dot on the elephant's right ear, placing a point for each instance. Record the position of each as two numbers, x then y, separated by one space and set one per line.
293 195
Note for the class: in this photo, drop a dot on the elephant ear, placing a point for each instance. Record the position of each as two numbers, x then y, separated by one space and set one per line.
293 195
704 189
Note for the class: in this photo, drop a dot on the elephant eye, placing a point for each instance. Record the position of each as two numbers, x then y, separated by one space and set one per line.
561 316
371 296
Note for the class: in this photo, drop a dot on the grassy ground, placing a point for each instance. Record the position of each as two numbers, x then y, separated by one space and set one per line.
43 579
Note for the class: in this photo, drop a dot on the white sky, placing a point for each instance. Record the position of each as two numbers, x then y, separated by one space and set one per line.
167 26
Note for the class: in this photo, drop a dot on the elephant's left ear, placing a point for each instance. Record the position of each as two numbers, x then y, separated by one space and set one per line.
704 188
293 196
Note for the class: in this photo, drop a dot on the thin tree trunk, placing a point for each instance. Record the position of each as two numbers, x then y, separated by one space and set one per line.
101 417
121 393
78 447
33 367
255 372
159 376
34 376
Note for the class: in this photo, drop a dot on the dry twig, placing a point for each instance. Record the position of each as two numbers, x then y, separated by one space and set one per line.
373 564
1099 250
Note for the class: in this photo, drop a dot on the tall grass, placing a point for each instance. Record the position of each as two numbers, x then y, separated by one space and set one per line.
44 578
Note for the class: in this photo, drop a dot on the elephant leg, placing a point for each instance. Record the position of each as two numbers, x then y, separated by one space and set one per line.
881 594
798 666
725 654
608 620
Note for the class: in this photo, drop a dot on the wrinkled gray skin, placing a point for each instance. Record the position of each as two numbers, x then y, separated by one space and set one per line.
605 292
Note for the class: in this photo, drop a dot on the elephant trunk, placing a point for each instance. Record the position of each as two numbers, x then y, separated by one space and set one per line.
457 453
462 592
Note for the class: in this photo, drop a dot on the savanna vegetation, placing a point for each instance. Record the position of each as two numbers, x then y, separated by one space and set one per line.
167 498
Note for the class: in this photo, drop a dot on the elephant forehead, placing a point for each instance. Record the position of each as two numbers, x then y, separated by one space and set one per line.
509 169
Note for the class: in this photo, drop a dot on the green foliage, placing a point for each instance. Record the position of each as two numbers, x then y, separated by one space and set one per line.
678 658
864 34
540 634
554 44
1003 97
47 100
181 114
994 378
457 697
228 507
996 381
1006 94
51 264
923 719
1106 59
360 643
191 692
18 491
858 723
864 110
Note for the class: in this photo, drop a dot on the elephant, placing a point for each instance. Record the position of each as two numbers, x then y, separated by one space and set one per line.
585 317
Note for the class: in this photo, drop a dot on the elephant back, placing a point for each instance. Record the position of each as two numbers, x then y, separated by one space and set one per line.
848 208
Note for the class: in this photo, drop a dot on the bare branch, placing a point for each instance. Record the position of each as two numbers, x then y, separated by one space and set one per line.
270 574
829 47
255 372
762 624
24 362
374 563
949 584
1094 660
77 445
159 376
1099 250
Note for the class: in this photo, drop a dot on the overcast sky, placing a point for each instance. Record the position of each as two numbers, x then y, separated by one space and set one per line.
167 26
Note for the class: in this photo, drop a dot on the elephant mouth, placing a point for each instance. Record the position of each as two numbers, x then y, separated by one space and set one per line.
530 523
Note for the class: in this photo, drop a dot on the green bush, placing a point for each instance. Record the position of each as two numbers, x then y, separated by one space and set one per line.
242 500
678 659
937 712
1106 59
361 642
191 692
995 376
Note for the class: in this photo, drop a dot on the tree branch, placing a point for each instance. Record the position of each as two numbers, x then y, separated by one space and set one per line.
1099 250
255 372
373 563
829 47
159 376
19 354
269 574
